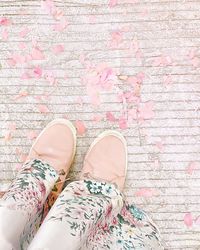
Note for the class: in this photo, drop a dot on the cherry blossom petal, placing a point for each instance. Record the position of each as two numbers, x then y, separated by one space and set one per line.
25 76
21 94
110 117
197 221
4 21
188 219
167 80
4 35
80 126
146 192
160 145
9 134
195 62
112 3
97 118
43 108
57 49
24 32
61 25
37 54
48 6
22 45
132 114
192 166
146 110
37 72
32 135
11 62
122 123
116 39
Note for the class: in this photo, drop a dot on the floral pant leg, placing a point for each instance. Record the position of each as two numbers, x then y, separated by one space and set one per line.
90 215
77 215
131 229
21 207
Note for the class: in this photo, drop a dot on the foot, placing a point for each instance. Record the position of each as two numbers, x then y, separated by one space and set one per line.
56 145
106 159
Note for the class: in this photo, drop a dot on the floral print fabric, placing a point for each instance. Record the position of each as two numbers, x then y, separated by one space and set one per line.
21 207
87 215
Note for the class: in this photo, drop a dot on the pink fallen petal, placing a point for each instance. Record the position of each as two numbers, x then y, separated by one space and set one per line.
146 192
112 3
4 35
123 123
110 117
146 110
188 219
132 114
25 76
197 221
105 74
162 61
192 53
16 59
32 135
23 157
9 134
80 126
22 45
4 21
12 126
24 32
58 14
43 108
37 72
132 80
138 79
11 62
97 118
92 19
19 59
28 58
195 62
80 101
61 25
192 166
160 145
48 6
57 49
126 28
18 166
37 54
139 54
116 39
50 77
167 80
21 94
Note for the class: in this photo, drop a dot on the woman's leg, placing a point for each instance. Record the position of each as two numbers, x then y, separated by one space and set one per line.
77 214
49 160
91 215
22 205
84 205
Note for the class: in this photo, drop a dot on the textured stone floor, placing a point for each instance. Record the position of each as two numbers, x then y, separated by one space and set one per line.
164 151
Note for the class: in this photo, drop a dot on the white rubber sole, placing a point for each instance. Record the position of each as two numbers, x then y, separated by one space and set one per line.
113 133
64 122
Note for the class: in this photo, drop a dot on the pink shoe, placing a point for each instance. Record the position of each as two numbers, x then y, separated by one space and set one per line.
56 145
106 159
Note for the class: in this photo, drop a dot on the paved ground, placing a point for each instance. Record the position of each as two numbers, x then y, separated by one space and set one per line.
161 39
